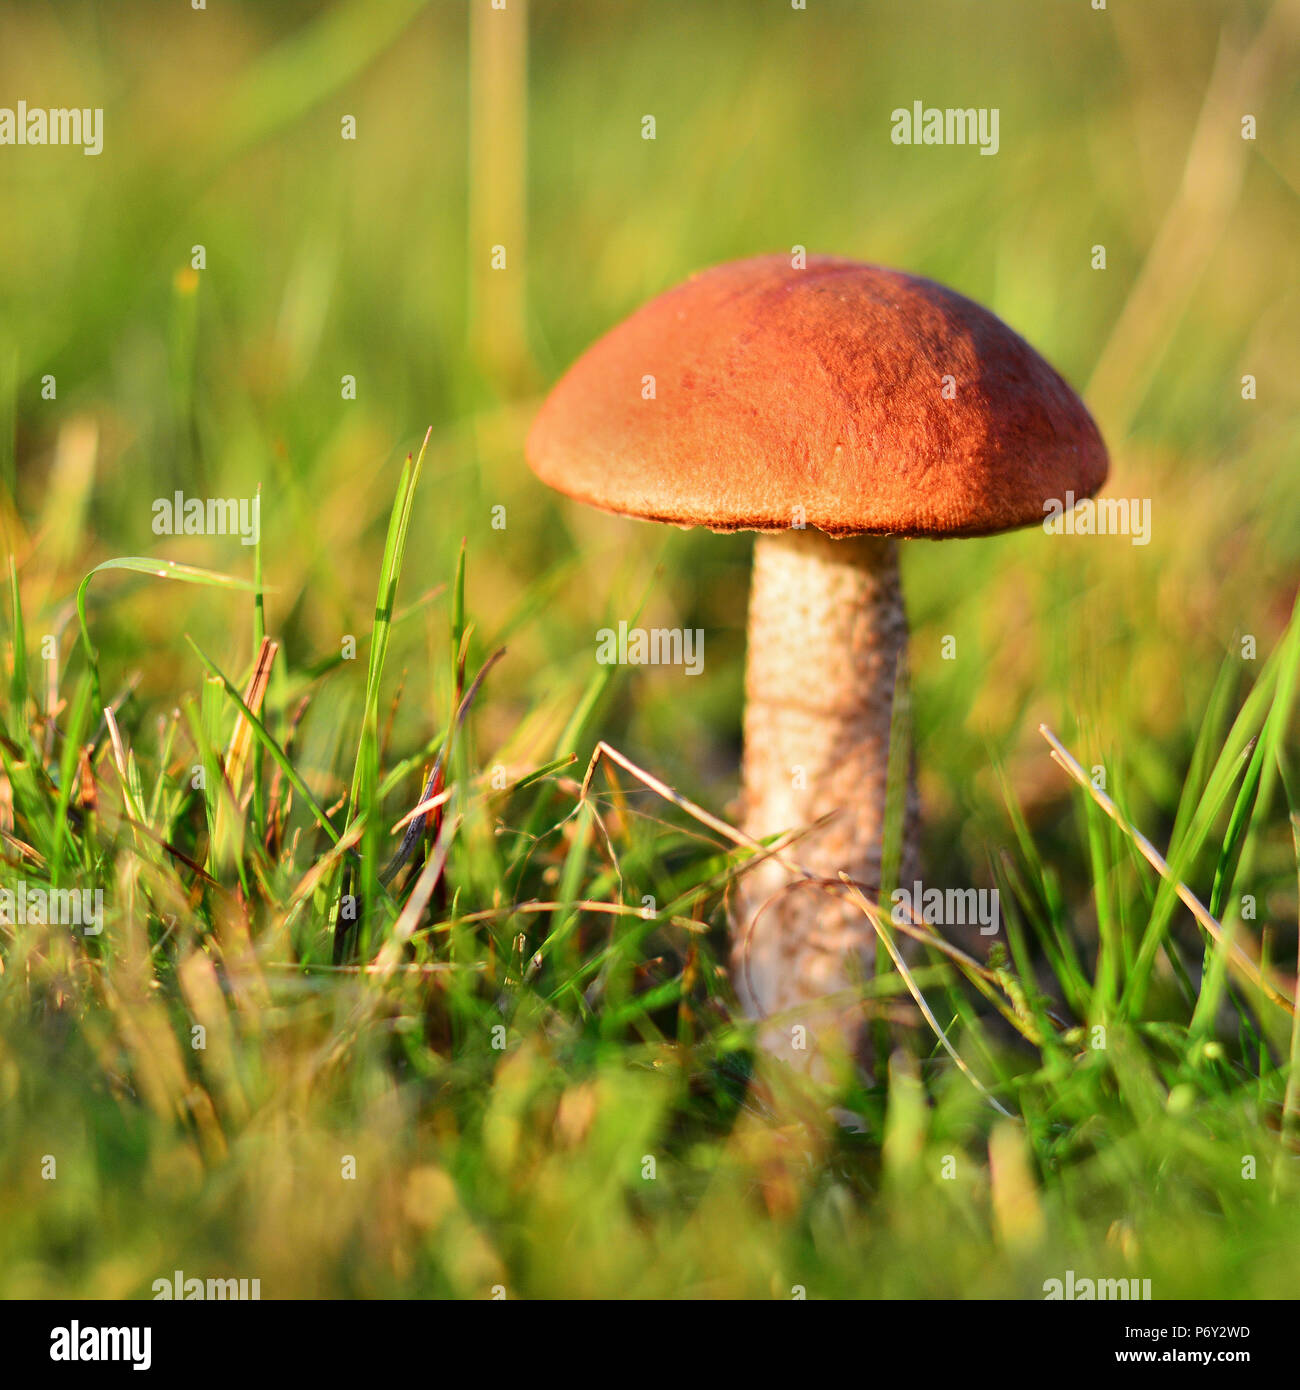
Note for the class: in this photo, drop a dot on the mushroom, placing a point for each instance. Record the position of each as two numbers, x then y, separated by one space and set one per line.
834 408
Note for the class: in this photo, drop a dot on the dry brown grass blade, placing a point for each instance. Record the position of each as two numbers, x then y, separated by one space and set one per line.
241 739
429 967
163 843
432 803
990 983
87 792
312 879
390 953
918 928
1061 756
388 961
877 919
675 798
119 761
501 914
23 847
433 787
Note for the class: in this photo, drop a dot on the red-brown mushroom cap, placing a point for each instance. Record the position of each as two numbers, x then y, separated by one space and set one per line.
820 388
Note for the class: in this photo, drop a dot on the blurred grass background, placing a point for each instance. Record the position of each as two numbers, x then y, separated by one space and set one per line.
328 257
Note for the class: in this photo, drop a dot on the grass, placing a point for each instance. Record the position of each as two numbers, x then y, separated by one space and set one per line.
397 993
534 1046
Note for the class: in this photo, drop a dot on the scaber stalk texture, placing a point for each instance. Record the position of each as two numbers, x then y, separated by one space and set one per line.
827 631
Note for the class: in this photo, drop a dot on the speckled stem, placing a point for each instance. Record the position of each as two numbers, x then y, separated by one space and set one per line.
826 632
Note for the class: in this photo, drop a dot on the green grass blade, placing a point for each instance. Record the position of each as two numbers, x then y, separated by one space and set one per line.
159 569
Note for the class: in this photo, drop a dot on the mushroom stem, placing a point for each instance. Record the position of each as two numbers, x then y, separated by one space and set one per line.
827 631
